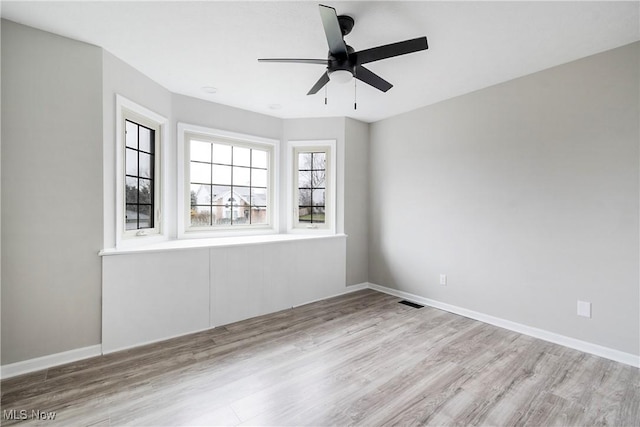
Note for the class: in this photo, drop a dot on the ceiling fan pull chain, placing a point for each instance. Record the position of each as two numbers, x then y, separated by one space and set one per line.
355 94
325 94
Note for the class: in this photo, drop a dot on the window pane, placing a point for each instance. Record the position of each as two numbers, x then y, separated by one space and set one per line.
241 176
139 165
319 161
131 162
304 198
224 216
145 139
144 216
304 214
131 190
200 194
318 179
242 194
218 215
222 175
258 215
221 153
317 215
200 172
258 178
258 197
220 194
131 217
145 165
201 216
200 151
317 197
131 136
145 191
243 214
304 161
230 199
304 179
241 156
259 158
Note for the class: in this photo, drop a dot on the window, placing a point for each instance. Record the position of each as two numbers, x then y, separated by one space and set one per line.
138 179
139 176
312 167
313 185
229 181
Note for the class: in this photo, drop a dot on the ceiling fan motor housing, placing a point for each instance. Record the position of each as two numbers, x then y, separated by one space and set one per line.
343 62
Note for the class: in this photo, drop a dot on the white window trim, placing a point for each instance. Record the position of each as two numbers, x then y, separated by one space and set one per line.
127 108
330 189
184 201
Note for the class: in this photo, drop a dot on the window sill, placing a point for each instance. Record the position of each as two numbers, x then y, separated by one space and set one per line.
174 245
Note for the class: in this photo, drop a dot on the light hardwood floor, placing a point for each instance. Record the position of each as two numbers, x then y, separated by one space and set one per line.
358 359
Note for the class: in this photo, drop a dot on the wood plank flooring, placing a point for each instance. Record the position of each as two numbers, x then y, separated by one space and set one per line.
359 359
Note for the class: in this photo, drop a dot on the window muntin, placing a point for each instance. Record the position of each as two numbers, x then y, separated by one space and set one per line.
139 176
312 187
229 183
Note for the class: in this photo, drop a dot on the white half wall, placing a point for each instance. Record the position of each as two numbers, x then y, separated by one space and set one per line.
151 296
148 297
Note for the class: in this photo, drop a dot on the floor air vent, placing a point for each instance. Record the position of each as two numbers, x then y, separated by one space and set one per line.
411 304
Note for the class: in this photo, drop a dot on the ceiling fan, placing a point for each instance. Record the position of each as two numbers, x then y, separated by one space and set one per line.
343 62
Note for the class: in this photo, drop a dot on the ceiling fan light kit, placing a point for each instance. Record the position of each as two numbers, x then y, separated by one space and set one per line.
343 63
340 76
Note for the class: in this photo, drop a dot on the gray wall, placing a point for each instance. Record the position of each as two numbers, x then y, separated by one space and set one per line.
356 200
208 114
525 194
51 193
122 79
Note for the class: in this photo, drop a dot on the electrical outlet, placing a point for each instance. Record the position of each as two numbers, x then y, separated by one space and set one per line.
584 309
443 279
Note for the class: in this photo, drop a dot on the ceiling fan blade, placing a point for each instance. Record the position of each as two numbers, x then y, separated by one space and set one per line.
296 60
324 79
371 78
391 50
332 30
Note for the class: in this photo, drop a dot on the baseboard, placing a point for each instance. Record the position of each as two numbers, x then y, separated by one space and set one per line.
587 347
44 362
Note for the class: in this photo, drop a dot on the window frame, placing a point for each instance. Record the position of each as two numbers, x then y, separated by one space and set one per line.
127 110
188 131
293 223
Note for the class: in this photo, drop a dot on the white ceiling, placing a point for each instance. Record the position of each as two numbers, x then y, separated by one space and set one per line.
186 45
